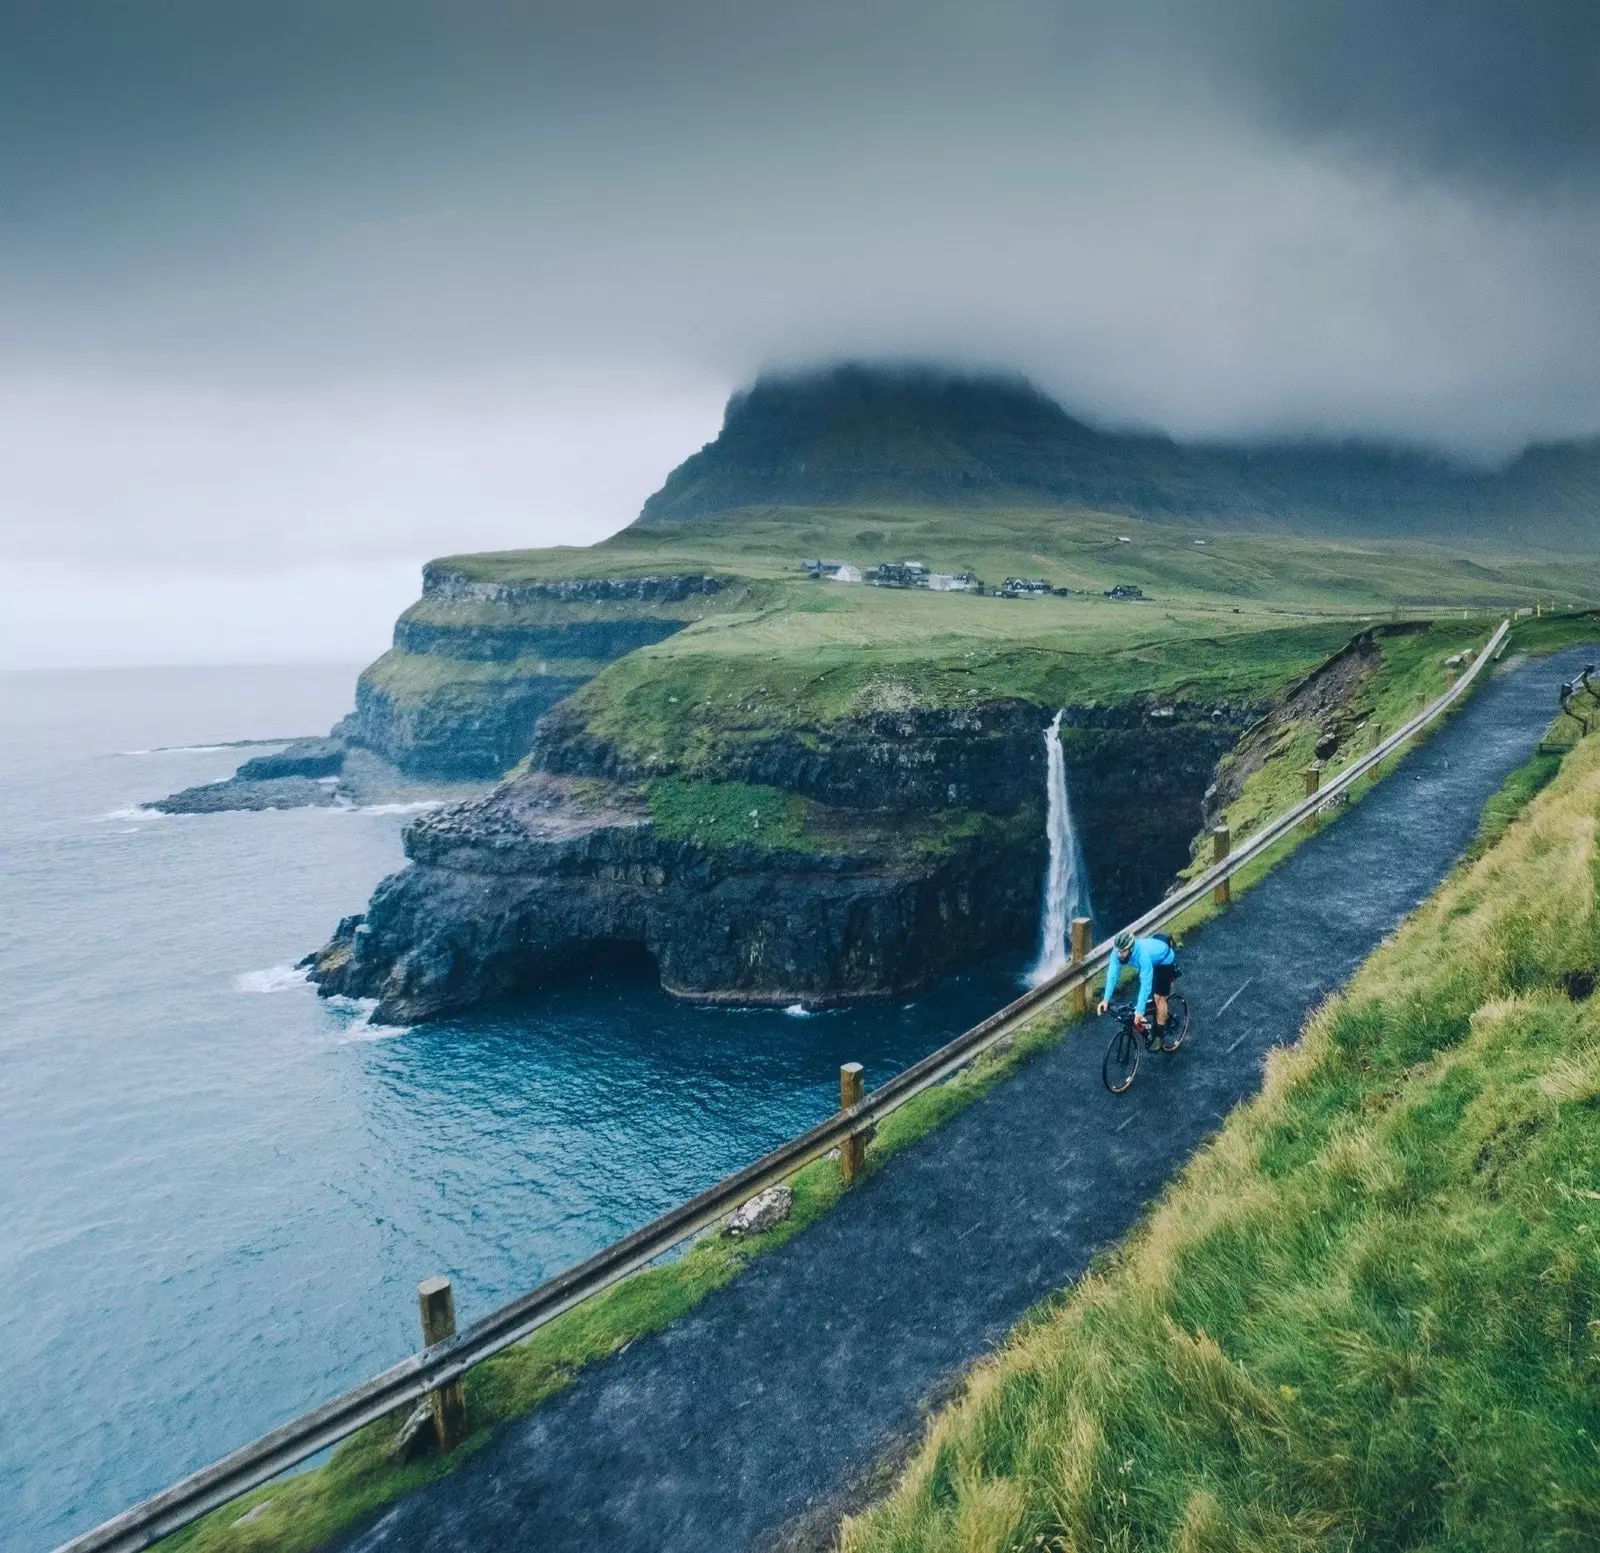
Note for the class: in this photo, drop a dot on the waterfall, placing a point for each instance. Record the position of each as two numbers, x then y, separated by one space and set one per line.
1066 883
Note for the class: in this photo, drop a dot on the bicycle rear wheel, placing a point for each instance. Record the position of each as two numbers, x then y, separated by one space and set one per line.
1121 1061
1177 1021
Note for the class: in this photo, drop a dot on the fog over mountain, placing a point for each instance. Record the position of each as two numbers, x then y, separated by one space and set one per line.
294 295
857 435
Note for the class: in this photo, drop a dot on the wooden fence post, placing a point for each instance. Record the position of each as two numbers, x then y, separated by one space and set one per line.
1377 739
1080 950
1220 841
853 1151
438 1308
1313 782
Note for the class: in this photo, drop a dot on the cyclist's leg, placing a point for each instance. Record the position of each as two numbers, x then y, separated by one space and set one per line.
1165 975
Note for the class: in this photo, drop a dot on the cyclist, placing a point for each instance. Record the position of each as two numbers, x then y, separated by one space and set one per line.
1157 962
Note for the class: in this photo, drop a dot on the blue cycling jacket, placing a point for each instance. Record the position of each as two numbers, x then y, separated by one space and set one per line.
1148 953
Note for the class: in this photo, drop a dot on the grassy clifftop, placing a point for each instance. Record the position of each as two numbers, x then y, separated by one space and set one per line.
1369 1314
1226 613
1077 547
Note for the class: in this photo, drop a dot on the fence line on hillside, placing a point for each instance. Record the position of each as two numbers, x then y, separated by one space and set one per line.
416 1377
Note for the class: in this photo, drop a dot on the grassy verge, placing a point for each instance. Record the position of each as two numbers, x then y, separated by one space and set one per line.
304 1511
1367 1315
1412 665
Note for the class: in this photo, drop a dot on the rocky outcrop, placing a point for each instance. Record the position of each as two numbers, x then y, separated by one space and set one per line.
289 792
884 895
454 582
479 659
313 758
550 871
313 773
453 727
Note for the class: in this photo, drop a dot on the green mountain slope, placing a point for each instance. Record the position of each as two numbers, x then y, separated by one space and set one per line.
858 435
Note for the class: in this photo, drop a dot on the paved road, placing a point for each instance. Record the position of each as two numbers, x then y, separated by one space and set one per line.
762 1405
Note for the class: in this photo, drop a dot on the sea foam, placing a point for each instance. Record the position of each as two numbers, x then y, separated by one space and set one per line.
276 978
420 806
363 1027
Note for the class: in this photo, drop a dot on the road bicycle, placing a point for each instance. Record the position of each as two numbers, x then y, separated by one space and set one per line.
1120 1065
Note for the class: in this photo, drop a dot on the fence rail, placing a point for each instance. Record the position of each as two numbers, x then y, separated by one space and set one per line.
414 1378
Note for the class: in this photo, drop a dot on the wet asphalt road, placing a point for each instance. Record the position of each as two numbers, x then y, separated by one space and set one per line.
777 1390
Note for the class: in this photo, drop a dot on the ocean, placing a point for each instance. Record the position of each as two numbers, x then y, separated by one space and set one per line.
218 1192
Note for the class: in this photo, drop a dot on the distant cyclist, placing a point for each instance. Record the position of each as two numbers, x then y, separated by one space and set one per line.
1157 962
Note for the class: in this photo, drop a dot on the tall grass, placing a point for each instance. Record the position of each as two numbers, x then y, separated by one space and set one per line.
1369 1314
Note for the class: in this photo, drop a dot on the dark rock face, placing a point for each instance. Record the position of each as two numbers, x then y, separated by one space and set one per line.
289 792
514 888
601 640
287 779
442 581
1328 697
989 758
454 732
1137 783
313 773
1137 773
303 758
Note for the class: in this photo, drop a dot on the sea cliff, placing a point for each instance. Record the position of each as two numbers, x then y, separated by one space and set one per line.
480 657
820 866
785 785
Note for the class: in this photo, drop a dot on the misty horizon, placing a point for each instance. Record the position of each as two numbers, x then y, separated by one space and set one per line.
295 297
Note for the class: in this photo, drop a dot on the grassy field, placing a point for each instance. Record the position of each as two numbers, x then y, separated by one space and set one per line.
1369 1314
680 700
1081 550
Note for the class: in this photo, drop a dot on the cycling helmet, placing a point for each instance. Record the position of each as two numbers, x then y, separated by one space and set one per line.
1124 941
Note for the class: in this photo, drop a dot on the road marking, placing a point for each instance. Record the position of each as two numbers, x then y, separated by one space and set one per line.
1229 1004
1235 1045
1121 1125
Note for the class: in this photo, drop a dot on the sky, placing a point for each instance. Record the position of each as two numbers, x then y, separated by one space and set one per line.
294 296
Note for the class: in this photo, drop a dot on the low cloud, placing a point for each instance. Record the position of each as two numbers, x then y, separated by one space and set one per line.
300 283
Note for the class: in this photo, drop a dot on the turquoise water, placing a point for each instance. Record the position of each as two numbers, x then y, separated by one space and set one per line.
218 1191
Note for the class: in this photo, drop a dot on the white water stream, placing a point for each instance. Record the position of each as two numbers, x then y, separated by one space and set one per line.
1066 882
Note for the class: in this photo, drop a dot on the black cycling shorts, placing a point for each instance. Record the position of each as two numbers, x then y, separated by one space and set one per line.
1165 975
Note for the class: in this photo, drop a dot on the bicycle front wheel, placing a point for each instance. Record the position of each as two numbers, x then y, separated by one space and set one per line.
1177 1021
1121 1061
